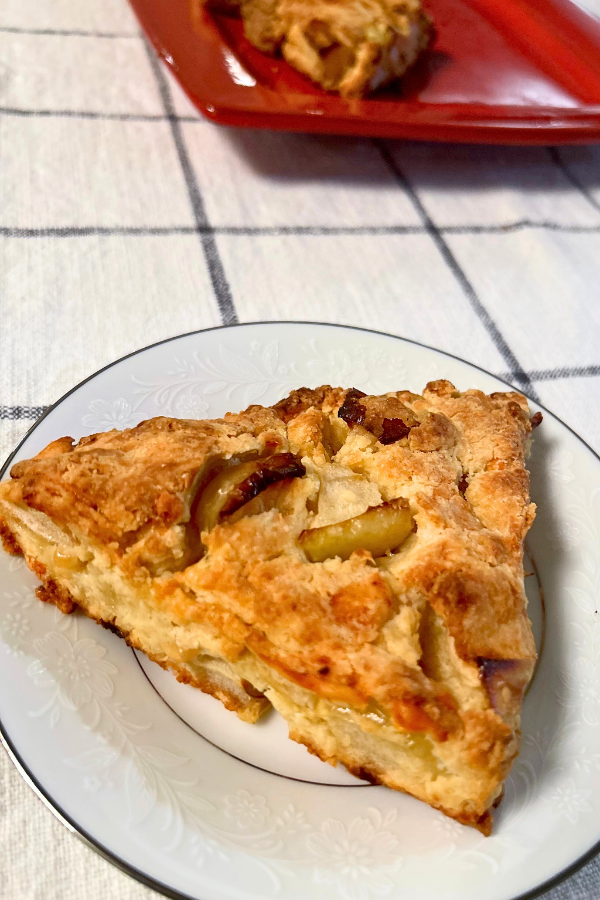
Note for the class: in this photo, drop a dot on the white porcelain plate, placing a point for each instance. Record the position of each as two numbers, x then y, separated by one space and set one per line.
170 786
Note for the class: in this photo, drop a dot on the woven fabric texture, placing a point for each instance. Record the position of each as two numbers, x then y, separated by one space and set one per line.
125 218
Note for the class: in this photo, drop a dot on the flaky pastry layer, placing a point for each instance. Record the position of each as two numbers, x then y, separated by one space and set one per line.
351 47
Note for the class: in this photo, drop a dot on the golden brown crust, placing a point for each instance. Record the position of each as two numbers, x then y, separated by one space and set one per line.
8 540
325 399
130 490
52 592
431 640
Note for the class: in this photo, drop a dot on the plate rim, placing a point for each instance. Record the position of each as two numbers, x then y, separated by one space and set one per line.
24 770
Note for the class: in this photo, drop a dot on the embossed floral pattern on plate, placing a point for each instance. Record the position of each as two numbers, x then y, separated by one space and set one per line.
102 744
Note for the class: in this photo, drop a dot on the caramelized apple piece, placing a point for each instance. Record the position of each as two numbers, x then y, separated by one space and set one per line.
505 681
65 558
386 417
277 496
379 530
351 411
238 484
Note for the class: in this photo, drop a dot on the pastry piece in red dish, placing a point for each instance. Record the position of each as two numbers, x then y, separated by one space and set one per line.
350 47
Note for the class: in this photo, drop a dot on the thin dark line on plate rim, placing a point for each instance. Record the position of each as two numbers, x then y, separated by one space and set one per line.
279 322
80 832
542 595
54 807
232 755
21 412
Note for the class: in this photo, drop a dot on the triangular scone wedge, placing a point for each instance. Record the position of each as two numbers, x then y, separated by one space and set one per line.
355 561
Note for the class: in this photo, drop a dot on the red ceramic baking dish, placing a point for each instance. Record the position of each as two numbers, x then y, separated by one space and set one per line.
499 72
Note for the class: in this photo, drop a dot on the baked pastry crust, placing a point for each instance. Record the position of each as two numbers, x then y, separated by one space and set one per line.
352 47
189 538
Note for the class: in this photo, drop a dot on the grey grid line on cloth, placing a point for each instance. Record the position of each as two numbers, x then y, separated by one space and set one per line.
125 219
209 245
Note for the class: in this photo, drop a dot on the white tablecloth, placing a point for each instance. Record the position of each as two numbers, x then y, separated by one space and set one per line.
125 218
